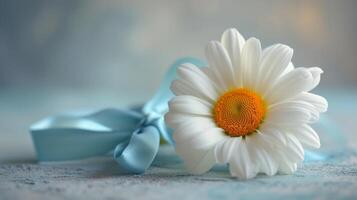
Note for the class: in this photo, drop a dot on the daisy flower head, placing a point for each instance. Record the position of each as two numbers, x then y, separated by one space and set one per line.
249 108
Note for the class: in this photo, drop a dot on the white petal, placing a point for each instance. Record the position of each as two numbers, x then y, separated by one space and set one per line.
220 63
192 72
188 129
203 140
272 134
197 161
175 119
263 154
287 161
298 105
211 75
269 166
181 87
240 164
288 69
290 85
251 54
319 102
287 167
197 80
294 148
287 113
273 63
306 135
233 42
190 105
224 150
316 75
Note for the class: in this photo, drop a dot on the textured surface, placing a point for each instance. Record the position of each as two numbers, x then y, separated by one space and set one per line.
335 178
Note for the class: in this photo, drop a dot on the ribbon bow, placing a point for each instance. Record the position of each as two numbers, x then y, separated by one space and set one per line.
131 135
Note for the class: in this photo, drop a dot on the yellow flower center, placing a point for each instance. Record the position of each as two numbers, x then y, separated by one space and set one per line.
239 112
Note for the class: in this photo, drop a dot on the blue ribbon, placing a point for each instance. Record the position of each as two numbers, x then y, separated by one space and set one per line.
132 136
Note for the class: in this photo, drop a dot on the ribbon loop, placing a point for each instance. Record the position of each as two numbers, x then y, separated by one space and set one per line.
137 155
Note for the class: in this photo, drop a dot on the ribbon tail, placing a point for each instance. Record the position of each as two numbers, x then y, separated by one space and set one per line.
78 136
136 155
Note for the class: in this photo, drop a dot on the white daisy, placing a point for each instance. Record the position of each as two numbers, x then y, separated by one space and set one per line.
249 108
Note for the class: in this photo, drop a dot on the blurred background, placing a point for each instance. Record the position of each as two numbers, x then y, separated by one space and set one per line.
59 55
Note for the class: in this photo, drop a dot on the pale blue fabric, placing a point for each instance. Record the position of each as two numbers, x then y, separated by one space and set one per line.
138 154
77 136
132 136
